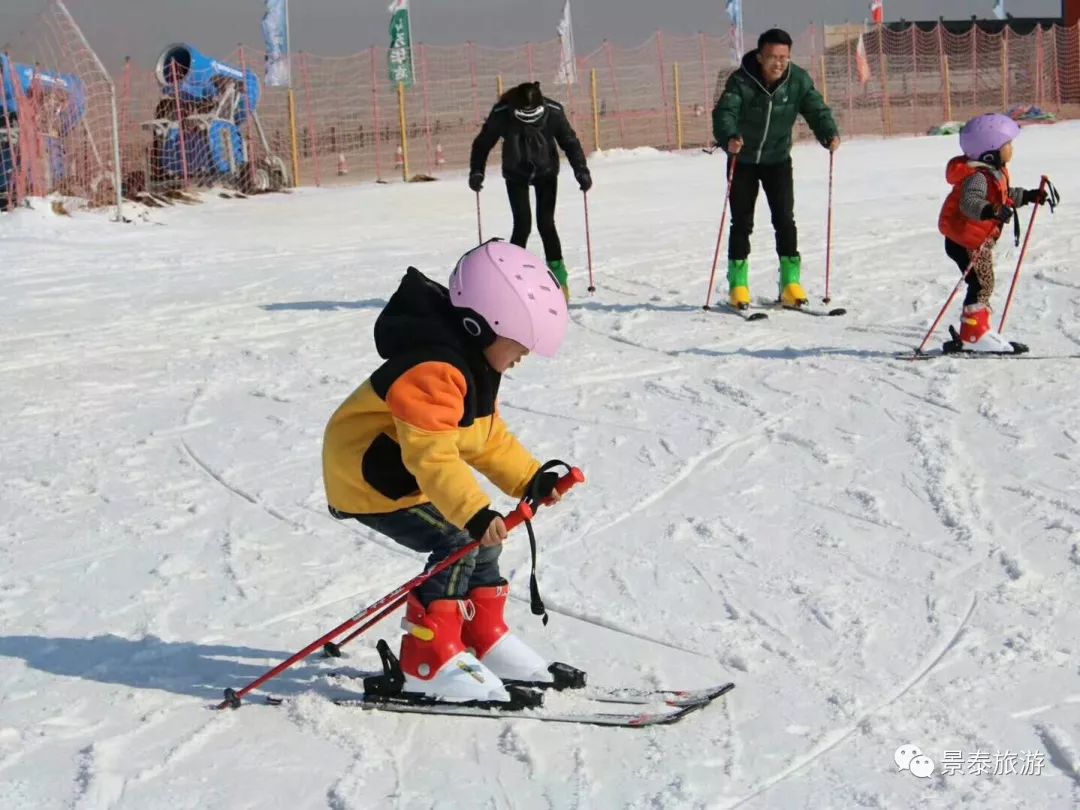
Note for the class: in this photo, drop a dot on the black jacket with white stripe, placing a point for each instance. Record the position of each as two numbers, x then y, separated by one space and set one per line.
529 150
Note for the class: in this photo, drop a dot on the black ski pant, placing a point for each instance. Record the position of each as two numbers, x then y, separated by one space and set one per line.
776 179
424 529
547 190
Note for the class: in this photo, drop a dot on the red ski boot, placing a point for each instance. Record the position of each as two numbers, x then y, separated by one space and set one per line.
434 659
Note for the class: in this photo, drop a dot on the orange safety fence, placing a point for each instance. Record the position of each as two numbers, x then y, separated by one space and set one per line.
195 120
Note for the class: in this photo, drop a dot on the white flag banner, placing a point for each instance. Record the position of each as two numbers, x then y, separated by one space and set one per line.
999 10
567 61
275 25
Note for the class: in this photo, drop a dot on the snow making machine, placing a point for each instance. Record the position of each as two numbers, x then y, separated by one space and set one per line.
38 110
198 130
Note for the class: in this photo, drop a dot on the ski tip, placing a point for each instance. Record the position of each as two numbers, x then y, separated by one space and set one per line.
837 311
757 316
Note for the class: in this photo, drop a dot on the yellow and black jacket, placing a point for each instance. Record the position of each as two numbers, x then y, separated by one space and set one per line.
411 432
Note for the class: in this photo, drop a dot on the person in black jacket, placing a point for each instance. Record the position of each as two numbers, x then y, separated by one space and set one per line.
531 126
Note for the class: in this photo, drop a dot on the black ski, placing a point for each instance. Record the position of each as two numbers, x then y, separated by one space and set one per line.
805 310
937 354
530 707
746 314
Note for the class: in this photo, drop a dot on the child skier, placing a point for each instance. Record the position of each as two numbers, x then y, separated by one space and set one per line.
397 453
980 205
531 126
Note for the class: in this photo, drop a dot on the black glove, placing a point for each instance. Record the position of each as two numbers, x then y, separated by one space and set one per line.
1002 213
1034 195
542 485
476 181
478 523
584 179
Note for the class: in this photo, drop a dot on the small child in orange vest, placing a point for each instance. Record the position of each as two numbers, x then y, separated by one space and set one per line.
980 205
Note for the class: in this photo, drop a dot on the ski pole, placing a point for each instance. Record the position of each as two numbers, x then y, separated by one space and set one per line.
588 240
521 514
828 232
381 606
952 295
479 230
333 650
720 234
1052 200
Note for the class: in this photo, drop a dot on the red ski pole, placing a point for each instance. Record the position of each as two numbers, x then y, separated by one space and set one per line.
1044 187
588 240
952 295
828 233
720 234
332 650
522 513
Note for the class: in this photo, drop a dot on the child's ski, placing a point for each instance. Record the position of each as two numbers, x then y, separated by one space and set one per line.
528 705
599 694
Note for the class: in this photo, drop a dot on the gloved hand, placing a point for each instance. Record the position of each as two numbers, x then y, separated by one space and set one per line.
476 181
488 527
584 179
1034 195
544 484
1002 213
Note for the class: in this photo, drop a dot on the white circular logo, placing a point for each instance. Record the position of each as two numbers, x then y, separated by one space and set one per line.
471 326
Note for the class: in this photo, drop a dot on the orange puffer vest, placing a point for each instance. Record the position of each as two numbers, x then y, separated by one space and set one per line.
953 223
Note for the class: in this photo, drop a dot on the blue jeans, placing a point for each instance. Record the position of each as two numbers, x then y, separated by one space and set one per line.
424 529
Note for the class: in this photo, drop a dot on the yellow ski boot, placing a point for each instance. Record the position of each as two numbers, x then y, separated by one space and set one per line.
738 274
792 294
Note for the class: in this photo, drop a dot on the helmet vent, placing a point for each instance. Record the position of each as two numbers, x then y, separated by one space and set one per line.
519 277
532 297
553 312
529 266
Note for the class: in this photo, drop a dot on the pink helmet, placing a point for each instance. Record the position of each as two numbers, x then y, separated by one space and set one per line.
514 295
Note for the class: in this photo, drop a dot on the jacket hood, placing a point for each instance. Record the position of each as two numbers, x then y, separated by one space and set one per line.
419 314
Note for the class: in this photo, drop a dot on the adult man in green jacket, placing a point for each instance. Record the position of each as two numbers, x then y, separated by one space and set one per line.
753 121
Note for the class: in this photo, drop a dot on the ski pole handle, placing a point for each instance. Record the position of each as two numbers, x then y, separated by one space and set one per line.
525 512
520 514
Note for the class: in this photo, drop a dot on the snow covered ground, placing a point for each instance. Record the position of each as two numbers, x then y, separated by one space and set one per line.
878 552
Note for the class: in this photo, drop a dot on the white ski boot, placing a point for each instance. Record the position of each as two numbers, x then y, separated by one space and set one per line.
499 649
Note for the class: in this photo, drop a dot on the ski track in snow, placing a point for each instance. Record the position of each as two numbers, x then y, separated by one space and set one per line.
836 736
876 551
